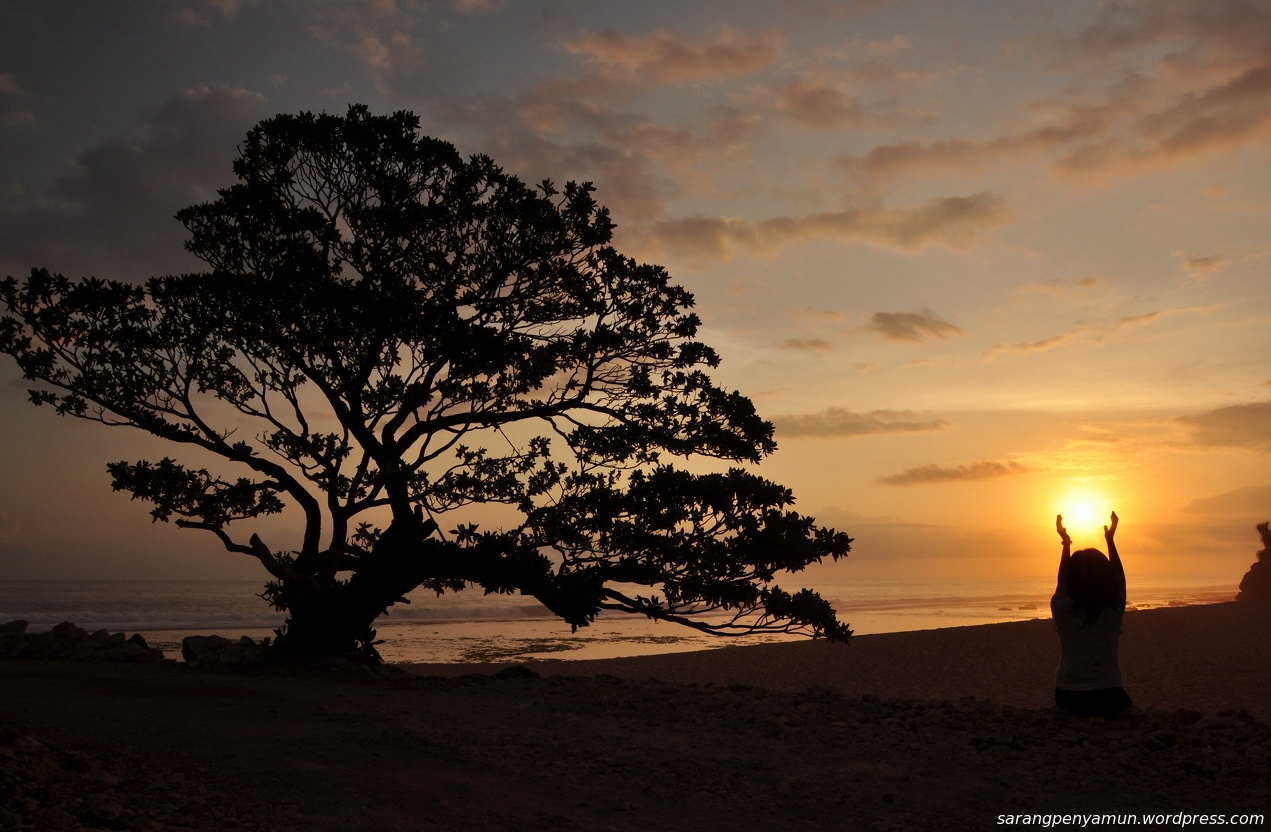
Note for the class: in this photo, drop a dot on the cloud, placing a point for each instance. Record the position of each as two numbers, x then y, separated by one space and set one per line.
808 313
817 104
954 221
1188 78
957 473
1060 286
110 214
807 344
912 327
666 56
1234 426
838 422
476 6
14 111
203 12
1253 500
1203 267
1099 333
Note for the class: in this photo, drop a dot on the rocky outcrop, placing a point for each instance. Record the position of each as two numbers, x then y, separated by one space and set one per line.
66 641
1256 584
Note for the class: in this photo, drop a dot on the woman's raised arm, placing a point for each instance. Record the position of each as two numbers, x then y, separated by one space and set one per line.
1067 550
1109 534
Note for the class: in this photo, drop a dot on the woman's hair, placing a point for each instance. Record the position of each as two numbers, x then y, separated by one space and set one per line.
1092 583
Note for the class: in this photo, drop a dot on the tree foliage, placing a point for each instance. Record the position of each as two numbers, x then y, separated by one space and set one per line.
409 333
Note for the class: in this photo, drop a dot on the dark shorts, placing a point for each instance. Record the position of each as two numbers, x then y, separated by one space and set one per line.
1106 703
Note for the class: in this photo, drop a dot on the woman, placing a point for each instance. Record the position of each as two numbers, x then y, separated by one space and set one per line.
1088 608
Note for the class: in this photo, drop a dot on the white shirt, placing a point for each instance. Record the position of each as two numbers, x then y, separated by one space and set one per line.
1088 660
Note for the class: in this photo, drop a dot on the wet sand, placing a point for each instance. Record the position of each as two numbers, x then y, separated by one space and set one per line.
1212 658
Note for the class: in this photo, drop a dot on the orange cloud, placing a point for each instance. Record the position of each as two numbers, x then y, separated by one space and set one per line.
913 327
1210 93
957 473
837 422
667 57
1234 426
950 221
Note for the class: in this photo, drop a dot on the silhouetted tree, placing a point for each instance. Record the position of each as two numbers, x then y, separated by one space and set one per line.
411 333
1256 584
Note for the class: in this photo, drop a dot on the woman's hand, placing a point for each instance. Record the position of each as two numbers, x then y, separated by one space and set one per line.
1110 531
1063 533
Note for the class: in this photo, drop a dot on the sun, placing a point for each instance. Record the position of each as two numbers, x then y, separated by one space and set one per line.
1083 511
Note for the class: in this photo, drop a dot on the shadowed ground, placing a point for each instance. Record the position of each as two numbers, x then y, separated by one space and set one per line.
266 749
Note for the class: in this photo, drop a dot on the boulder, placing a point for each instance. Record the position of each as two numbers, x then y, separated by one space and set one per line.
193 647
13 629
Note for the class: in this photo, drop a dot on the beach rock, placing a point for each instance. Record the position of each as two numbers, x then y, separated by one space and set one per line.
202 651
13 629
517 671
194 647
66 641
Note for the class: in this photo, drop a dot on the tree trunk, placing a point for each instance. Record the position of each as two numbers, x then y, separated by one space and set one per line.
330 618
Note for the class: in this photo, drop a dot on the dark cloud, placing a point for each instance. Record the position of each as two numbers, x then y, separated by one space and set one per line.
111 214
818 104
1234 426
913 327
956 473
838 422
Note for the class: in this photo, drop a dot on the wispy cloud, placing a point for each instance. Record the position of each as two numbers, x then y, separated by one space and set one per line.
954 221
1098 333
807 344
1203 267
933 473
1193 77
1060 287
837 422
809 313
666 56
912 327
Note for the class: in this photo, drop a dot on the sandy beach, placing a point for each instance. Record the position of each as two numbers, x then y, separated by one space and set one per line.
880 734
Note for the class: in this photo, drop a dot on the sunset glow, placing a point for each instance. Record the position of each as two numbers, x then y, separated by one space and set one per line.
978 265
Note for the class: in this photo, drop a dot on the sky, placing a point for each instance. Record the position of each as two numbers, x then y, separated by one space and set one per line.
980 263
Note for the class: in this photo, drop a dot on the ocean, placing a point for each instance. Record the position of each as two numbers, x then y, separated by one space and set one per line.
469 626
